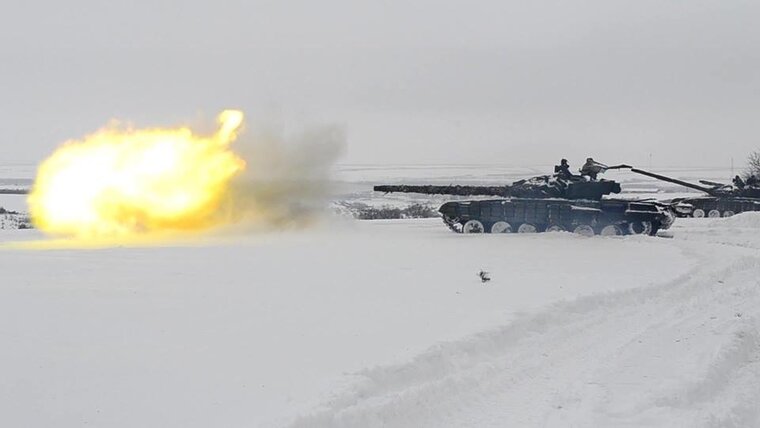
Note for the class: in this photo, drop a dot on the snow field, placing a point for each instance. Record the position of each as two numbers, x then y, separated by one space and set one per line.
302 327
385 323
685 352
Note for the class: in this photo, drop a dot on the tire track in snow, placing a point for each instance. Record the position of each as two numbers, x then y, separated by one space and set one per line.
682 353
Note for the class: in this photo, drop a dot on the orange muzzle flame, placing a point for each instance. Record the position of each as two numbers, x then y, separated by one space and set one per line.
120 183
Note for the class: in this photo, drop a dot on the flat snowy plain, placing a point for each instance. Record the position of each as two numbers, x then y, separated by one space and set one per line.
385 323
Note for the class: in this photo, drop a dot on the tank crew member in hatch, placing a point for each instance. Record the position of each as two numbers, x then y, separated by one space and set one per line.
593 168
563 170
738 182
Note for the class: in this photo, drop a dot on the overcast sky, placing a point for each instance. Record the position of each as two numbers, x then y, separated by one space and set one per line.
431 81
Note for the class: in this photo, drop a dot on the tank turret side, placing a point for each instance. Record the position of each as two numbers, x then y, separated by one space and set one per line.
749 192
592 190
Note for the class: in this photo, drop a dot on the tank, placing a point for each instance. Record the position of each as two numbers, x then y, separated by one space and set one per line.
720 200
545 204
13 191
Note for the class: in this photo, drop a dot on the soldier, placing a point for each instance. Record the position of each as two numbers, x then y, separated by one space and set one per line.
752 181
592 168
563 170
738 182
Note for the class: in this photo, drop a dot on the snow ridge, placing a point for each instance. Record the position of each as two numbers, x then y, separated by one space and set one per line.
602 360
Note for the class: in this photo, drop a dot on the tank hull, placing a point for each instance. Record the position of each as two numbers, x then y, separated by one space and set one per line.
719 206
622 216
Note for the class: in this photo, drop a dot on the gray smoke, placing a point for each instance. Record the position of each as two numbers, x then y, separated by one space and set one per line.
287 181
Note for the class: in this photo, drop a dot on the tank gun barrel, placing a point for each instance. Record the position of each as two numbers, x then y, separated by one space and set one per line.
446 190
537 187
621 166
675 181
13 191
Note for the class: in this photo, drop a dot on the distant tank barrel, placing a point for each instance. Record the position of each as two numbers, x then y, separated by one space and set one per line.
13 191
714 184
447 190
675 181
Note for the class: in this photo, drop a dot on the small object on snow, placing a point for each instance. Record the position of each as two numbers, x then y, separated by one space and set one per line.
484 276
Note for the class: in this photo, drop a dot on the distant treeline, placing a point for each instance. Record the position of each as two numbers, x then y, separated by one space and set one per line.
14 220
363 211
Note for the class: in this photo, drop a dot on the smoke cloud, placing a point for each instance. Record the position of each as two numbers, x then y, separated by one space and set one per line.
287 179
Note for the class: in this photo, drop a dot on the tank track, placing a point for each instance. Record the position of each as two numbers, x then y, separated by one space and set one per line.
453 224
609 216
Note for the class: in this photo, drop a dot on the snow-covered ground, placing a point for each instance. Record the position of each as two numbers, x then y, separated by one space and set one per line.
386 323
683 351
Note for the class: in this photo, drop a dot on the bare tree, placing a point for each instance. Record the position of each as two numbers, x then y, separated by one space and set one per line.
753 164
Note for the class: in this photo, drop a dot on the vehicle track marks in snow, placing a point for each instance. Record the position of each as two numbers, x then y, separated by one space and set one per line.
683 353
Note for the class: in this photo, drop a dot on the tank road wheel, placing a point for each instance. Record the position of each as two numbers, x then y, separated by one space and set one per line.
527 228
584 230
473 226
555 228
501 227
698 213
640 228
611 230
714 214
728 213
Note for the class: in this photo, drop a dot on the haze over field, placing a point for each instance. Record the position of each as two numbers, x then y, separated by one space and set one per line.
410 82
